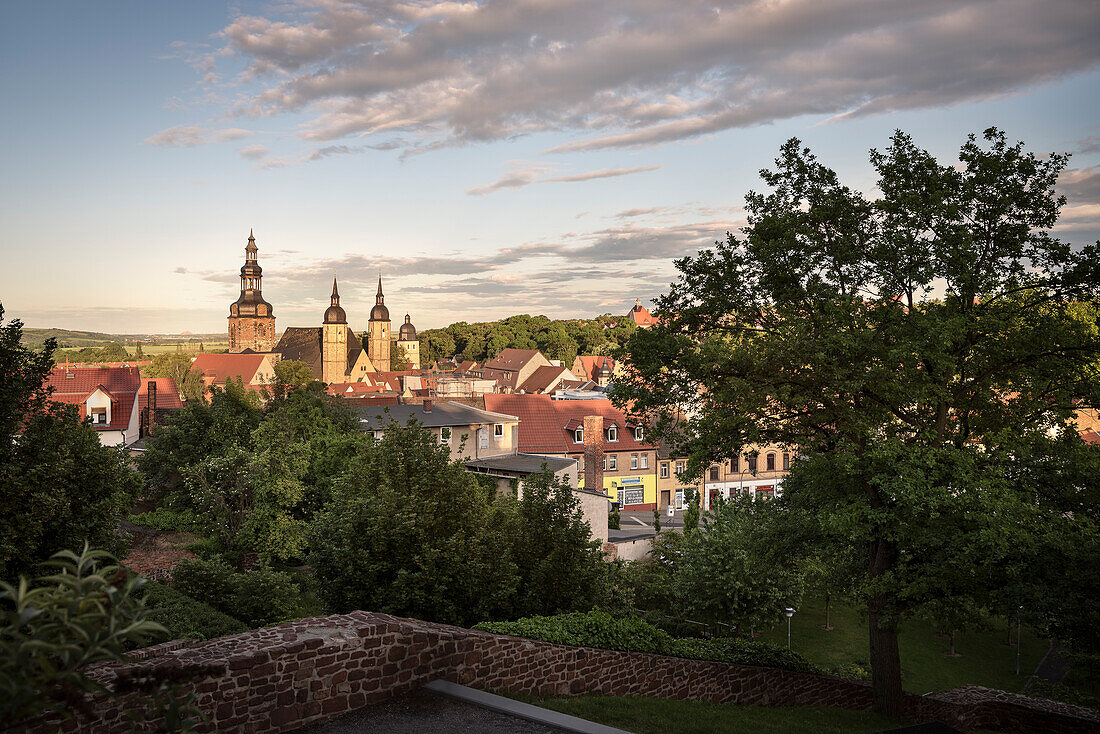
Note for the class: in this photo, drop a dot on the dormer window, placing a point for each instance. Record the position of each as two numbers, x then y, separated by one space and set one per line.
578 435
613 433
99 416
639 433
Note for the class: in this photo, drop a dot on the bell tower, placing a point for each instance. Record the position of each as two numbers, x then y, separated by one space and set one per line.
334 341
251 319
378 332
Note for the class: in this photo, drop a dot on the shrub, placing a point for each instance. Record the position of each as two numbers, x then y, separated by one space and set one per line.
187 617
613 518
600 629
257 597
163 518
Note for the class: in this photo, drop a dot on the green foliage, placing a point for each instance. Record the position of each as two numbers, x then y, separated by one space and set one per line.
290 375
614 519
691 513
932 431
257 597
409 532
58 485
184 616
177 365
163 518
562 340
88 611
602 630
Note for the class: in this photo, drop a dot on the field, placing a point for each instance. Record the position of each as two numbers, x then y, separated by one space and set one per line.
983 659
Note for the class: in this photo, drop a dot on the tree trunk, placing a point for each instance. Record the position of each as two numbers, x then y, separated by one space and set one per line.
953 653
885 657
827 625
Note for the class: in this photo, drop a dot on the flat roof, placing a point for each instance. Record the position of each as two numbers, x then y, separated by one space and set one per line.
377 417
522 463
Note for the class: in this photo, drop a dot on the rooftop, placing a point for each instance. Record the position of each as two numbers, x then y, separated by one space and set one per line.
373 418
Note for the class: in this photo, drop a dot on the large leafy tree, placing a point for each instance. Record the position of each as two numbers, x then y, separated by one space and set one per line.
921 353
59 486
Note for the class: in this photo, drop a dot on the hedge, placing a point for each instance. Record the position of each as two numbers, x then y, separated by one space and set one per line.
187 617
631 634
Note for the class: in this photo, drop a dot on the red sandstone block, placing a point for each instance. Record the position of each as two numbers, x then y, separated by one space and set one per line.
285 715
285 698
335 705
339 676
356 700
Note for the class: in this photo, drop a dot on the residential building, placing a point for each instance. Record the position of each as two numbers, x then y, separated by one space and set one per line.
671 489
757 472
253 370
251 318
594 368
556 427
106 396
641 316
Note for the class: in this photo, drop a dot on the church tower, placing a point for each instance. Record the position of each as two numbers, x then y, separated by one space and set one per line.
378 332
251 321
334 341
409 344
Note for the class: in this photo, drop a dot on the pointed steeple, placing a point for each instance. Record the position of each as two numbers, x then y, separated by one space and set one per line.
379 298
335 314
335 293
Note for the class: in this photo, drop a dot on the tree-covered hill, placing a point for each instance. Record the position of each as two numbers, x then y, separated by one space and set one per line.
557 339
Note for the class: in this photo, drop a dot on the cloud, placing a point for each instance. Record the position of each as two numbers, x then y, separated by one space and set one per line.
520 177
1080 185
254 152
187 136
624 73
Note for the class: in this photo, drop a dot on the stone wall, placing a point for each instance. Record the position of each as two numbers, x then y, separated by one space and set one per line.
279 678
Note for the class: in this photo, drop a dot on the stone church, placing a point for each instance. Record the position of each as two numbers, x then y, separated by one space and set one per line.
333 351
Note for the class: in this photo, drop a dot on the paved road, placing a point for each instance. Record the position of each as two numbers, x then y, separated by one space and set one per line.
635 524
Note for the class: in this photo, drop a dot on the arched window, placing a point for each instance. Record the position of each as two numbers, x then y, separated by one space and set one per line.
771 462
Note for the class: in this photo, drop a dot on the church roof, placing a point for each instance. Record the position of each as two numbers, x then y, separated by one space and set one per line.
303 343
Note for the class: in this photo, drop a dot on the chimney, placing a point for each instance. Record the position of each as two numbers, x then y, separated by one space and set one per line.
593 452
427 405
151 404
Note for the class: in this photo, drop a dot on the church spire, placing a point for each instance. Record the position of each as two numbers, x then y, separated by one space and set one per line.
379 298
335 293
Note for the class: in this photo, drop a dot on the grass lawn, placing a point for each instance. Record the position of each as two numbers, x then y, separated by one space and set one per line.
655 716
983 659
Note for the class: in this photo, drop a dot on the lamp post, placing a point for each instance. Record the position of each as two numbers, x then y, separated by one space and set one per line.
741 479
789 611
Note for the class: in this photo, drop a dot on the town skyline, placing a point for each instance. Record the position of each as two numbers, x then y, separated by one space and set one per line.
490 159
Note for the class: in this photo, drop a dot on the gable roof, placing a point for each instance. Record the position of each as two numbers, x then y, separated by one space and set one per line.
544 378
302 343
590 365
641 315
546 425
511 359
73 385
217 368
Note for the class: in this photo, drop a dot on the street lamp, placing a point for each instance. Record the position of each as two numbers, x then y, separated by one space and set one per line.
789 611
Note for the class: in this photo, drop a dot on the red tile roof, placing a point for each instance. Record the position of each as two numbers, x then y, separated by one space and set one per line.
217 368
168 396
590 365
73 385
1090 436
641 315
544 377
511 359
546 425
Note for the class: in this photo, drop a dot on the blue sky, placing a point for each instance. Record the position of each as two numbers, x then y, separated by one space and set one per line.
539 156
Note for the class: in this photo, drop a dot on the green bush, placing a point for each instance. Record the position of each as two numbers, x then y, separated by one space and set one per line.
257 597
163 518
614 520
186 617
600 629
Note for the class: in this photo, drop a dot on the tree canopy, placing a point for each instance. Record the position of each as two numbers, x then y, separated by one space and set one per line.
920 351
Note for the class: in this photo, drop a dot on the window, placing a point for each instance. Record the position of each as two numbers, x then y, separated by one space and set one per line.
613 462
613 433
99 416
786 462
664 470
771 462
735 464
498 429
680 467
578 435
714 474
444 435
632 496
752 465
639 433
605 463
633 461
643 461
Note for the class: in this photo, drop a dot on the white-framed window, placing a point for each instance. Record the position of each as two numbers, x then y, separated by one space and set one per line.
633 461
632 496
664 470
444 434
578 435
99 416
680 467
378 435
498 429
643 461
605 463
613 433
612 462
639 433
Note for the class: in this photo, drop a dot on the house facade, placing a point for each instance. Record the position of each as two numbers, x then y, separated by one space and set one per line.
106 396
757 472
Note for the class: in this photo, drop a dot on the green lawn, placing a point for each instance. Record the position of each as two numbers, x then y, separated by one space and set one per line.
656 716
984 658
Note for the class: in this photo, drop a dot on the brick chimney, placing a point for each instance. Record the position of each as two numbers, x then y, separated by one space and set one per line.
593 452
151 404
427 405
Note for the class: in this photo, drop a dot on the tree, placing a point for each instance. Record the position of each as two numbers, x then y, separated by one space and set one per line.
177 365
413 534
398 360
58 485
290 375
919 350
138 353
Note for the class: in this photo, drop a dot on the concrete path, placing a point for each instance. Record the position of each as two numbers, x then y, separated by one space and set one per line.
1054 666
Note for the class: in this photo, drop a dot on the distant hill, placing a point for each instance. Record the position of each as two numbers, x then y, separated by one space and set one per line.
71 339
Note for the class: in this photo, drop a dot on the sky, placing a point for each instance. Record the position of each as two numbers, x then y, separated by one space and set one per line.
488 158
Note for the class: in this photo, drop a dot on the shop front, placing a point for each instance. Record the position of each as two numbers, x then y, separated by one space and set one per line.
632 493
